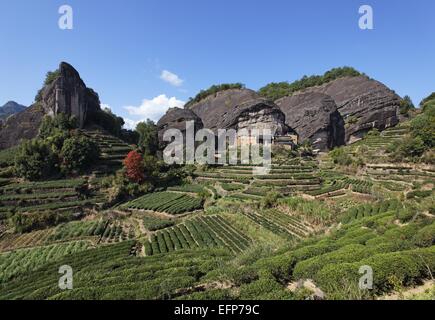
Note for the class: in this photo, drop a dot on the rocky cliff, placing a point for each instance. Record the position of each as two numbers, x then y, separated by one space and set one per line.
363 103
314 117
68 94
176 118
23 125
65 93
239 109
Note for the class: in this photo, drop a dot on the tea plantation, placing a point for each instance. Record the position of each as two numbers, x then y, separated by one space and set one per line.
222 232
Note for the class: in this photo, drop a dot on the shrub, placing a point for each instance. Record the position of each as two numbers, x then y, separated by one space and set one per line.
341 157
308 268
78 153
427 99
270 199
34 160
37 220
407 267
405 214
244 275
423 126
108 121
425 237
148 140
259 287
406 105
134 167
59 123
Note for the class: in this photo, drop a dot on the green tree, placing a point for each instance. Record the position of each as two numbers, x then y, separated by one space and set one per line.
78 153
148 139
412 147
406 105
423 126
60 122
429 98
341 157
35 160
109 121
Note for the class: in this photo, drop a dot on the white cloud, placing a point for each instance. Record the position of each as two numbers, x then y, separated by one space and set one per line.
171 78
130 124
153 109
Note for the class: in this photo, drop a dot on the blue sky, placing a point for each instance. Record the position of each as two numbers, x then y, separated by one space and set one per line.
142 56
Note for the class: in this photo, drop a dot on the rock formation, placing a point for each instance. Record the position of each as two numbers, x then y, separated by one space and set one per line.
314 117
23 125
65 93
363 103
68 94
240 109
176 118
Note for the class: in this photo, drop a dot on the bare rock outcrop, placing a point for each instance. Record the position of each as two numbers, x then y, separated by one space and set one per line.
68 94
23 125
176 118
363 103
314 117
240 109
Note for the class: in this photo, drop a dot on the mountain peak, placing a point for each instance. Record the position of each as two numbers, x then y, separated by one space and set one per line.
10 108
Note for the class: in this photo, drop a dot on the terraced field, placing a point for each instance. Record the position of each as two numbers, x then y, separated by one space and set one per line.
27 260
219 235
168 202
280 223
200 232
376 144
286 179
99 231
56 195
116 274
113 152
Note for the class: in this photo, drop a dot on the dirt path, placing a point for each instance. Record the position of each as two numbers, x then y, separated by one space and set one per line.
142 228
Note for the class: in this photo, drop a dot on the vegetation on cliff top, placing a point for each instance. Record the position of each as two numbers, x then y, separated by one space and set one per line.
277 90
213 90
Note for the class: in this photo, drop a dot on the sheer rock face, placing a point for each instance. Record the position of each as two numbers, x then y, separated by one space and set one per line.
314 117
68 94
363 103
23 125
176 118
240 109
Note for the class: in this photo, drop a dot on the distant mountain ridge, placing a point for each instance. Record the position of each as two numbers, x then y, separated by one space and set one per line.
10 108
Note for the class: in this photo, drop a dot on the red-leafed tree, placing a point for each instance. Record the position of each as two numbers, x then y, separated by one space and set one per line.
134 167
